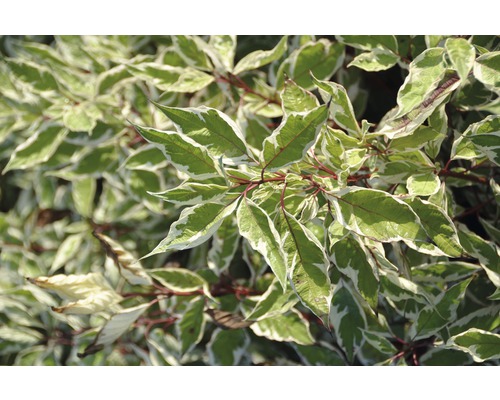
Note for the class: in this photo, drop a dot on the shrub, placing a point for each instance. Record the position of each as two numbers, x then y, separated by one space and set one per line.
197 200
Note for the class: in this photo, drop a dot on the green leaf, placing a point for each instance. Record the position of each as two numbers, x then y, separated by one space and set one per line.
225 242
319 356
256 226
190 48
192 324
462 55
227 347
340 107
352 259
191 193
486 252
321 59
443 271
348 319
407 297
426 71
195 226
37 149
116 326
178 279
291 140
376 60
296 99
370 42
109 79
440 357
418 139
41 78
481 345
486 70
172 79
438 225
93 162
381 345
307 266
441 313
487 318
423 184
212 129
291 327
377 215
260 58
83 194
130 268
182 152
482 137
273 302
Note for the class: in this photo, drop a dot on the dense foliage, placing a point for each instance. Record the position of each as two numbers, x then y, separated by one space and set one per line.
249 200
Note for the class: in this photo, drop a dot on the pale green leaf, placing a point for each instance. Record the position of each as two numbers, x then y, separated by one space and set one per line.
66 251
480 344
256 226
321 59
296 99
212 129
377 215
260 58
225 45
80 117
462 55
40 146
426 71
291 140
418 139
376 60
83 194
291 327
423 184
115 327
340 106
182 152
191 193
195 226
91 292
178 279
